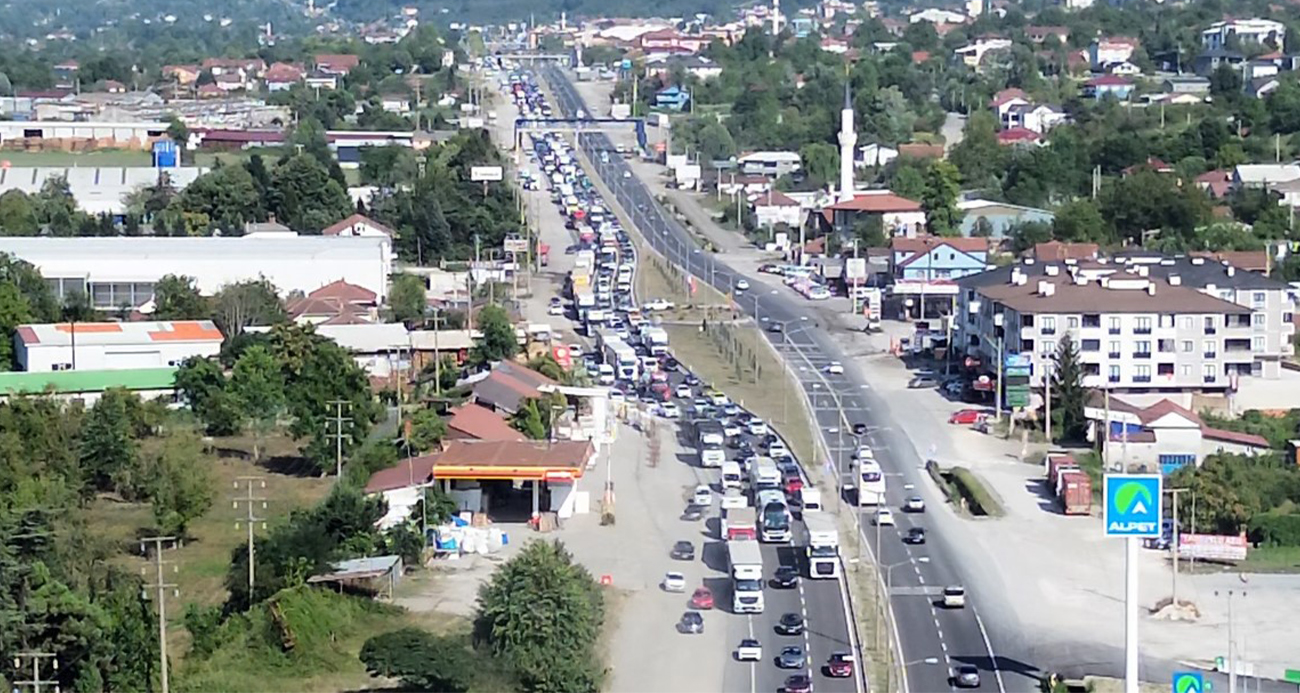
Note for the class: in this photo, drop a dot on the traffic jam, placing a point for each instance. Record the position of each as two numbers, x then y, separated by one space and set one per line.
748 478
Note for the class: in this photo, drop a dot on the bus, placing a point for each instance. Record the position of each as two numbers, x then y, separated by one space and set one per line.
870 482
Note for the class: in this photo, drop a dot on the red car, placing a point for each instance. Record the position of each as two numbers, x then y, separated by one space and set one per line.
702 599
793 484
840 665
966 417
799 683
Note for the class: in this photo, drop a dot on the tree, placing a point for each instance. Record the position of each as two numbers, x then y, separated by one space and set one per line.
15 310
226 196
181 488
55 206
305 197
528 419
1069 397
870 231
31 285
177 298
17 214
109 451
250 302
907 180
888 118
202 385
427 430
257 385
421 660
979 157
1080 221
821 163
942 185
408 300
519 607
1029 234
499 341
388 167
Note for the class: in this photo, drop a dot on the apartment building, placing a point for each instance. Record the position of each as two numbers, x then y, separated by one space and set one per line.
1141 328
1245 30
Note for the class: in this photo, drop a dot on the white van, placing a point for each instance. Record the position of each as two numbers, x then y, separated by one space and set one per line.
731 477
810 499
711 456
605 374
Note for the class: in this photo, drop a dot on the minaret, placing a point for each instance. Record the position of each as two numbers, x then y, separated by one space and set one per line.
848 141
776 17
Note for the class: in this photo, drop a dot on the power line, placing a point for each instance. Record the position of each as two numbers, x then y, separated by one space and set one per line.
339 420
250 519
35 659
161 585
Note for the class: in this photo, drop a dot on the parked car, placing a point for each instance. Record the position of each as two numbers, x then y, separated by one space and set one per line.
674 582
966 417
922 382
702 598
840 665
692 622
683 551
749 650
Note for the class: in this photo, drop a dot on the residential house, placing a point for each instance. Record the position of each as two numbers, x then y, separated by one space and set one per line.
507 386
670 41
357 225
672 98
1001 217
248 70
1264 31
1020 137
1037 118
1264 175
338 65
770 163
701 68
113 86
972 54
230 82
1003 101
935 15
476 422
1162 437
1108 85
1216 183
335 303
1103 52
1185 84
899 216
399 104
1124 69
1262 86
1212 58
1040 34
930 258
1151 164
876 155
775 207
321 80
747 185
65 73
282 77
838 46
183 75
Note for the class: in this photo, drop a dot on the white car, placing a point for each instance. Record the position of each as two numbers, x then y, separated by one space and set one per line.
555 309
684 392
836 368
915 504
718 399
617 396
864 453
757 427
749 650
731 429
670 410
658 304
575 350
674 582
778 449
627 174
742 285
703 495
884 517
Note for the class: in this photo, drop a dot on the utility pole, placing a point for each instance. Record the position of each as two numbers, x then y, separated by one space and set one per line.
1047 395
339 420
161 585
23 660
997 392
1174 543
1232 643
250 519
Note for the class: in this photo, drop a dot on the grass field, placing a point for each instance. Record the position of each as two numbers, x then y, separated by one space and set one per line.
100 157
1272 559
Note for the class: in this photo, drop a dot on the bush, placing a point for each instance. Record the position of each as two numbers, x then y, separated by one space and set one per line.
423 661
978 499
1269 529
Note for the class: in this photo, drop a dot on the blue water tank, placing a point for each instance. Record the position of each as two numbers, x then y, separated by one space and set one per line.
166 154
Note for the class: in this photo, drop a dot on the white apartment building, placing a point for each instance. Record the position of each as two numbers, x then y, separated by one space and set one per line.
1167 327
1246 30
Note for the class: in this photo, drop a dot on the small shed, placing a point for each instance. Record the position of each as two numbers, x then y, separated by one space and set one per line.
377 575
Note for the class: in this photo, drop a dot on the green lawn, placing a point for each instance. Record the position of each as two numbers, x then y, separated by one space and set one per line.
100 157
1272 559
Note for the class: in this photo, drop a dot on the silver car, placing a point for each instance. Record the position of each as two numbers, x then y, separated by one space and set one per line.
791 657
966 676
692 622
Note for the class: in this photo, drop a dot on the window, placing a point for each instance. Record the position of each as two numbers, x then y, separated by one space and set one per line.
1114 325
1142 349
1092 320
1114 349
1209 324
1143 326
1188 346
1113 376
1166 321
1185 370
1188 323
1210 349
1142 374
1090 345
1049 325
1049 347
1072 322
1257 299
1165 346
1256 343
1207 372
1258 320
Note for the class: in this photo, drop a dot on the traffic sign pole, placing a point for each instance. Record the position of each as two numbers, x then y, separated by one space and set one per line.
1131 614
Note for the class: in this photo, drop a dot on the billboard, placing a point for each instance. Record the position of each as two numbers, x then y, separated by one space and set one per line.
486 173
1132 504
1016 365
1213 547
515 244
855 269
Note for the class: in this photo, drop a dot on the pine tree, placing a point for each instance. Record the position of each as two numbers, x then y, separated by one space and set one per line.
1069 396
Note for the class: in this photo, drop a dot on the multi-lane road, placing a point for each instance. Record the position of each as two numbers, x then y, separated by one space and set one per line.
932 640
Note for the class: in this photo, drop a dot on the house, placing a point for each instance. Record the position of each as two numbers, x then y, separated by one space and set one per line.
507 386
1185 84
1037 118
929 258
1212 58
748 185
1001 217
770 163
183 75
1020 137
701 68
670 41
775 207
321 80
935 15
673 98
210 91
357 225
1263 175
972 54
1125 69
1151 164
1216 183
247 69
398 104
1003 101
1108 51
920 150
1040 34
1263 31
282 77
475 422
876 155
1262 86
338 65
830 44
1162 437
230 82
1108 85
65 73
899 216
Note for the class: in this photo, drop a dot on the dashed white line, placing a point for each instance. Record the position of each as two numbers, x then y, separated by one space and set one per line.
920 578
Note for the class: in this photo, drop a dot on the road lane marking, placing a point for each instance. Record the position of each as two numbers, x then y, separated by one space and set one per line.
753 666
997 672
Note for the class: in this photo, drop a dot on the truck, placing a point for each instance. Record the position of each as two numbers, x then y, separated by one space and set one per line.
744 560
764 475
774 523
739 523
823 545
656 339
1075 492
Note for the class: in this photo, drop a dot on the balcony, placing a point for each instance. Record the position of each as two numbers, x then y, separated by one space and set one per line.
1113 330
1141 378
1210 329
1142 330
1141 354
1209 378
1210 354
1113 378
1113 354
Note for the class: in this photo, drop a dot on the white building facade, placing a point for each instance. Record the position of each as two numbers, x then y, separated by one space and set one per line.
113 346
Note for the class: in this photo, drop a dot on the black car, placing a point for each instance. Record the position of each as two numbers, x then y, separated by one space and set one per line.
859 429
915 535
787 466
683 551
790 624
775 327
693 513
786 576
670 364
692 380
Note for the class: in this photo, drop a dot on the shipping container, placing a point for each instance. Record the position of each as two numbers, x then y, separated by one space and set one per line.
1076 493
1056 463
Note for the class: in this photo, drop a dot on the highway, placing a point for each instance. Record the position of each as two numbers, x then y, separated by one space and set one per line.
931 639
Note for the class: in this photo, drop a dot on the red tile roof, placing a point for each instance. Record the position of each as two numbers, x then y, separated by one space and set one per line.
354 220
342 291
1018 135
337 63
775 198
482 423
1056 251
924 243
918 150
1006 96
877 203
1234 437
1109 81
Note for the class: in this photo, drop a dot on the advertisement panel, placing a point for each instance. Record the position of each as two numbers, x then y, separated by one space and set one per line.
1213 547
515 244
1132 504
486 173
855 269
